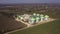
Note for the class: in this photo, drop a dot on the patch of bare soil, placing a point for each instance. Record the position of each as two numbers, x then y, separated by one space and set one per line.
9 24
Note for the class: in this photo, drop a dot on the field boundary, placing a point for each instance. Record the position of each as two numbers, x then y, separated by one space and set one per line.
28 25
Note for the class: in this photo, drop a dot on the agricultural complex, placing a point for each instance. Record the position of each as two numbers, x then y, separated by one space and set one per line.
30 19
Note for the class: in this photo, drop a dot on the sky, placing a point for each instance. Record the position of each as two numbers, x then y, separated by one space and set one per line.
29 1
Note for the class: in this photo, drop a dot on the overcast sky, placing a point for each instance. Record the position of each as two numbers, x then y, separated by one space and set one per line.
29 1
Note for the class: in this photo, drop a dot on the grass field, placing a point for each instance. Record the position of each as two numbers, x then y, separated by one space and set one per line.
48 28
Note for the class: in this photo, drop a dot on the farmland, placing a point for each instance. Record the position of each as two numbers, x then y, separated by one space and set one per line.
8 23
48 28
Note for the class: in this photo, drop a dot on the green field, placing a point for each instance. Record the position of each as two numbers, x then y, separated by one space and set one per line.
48 28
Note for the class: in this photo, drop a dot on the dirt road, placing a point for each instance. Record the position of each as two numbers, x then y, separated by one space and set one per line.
29 25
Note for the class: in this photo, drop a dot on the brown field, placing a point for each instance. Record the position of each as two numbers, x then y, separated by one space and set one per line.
8 23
